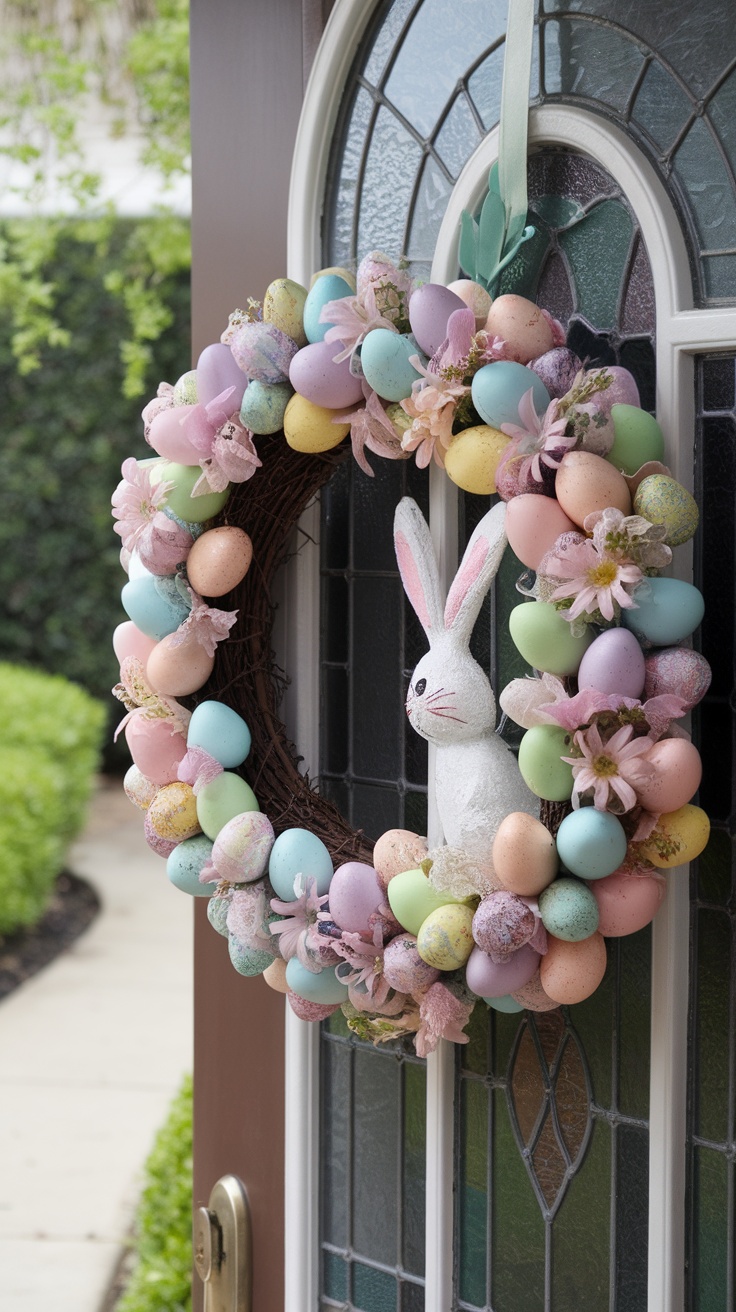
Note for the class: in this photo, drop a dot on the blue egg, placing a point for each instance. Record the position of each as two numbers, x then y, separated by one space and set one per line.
498 388
219 730
298 852
506 1004
217 909
569 910
667 610
264 405
330 287
384 359
154 605
591 843
246 960
324 987
184 864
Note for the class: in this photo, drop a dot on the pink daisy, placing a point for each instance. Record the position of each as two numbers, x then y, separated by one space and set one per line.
135 502
594 579
610 769
544 437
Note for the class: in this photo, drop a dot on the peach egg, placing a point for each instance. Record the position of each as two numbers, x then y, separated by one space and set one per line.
586 482
570 972
219 560
524 854
626 902
522 326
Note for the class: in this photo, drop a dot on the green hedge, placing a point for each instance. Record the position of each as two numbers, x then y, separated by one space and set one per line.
50 738
162 1278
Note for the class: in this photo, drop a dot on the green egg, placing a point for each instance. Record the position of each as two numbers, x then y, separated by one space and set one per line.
247 960
540 765
264 406
638 438
662 500
185 389
193 510
217 909
545 640
221 800
412 898
569 910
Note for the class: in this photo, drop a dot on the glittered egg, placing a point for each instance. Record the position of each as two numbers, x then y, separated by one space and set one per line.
613 664
474 296
678 671
185 864
430 306
666 611
138 789
679 837
397 850
412 899
309 1011
315 374
662 500
540 765
404 969
322 987
533 997
217 910
216 372
497 389
179 665
298 852
242 847
326 287
283 305
445 939
221 799
263 352
678 772
638 438
220 732
626 903
622 389
523 327
533 525
544 638
163 847
384 359
264 406
355 896
247 960
219 560
503 923
154 605
155 749
586 482
591 843
569 910
185 389
180 501
311 428
557 369
173 812
491 979
570 972
524 854
472 458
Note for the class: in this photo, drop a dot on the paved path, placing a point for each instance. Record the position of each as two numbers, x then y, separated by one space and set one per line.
91 1051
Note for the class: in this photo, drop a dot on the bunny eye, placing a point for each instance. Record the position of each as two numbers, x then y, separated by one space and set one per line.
419 686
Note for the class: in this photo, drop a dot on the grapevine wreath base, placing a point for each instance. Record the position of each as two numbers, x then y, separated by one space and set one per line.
513 910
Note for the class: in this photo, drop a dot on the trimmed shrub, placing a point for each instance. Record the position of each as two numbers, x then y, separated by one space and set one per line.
162 1277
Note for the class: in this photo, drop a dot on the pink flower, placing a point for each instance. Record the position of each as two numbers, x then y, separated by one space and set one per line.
246 918
596 580
163 545
628 537
198 768
610 769
371 427
135 501
653 717
559 337
351 317
363 973
443 1016
299 930
233 460
204 624
544 438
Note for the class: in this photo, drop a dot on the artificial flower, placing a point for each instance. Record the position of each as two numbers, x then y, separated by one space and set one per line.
595 579
298 931
559 336
135 501
205 624
198 768
629 537
382 1029
163 545
350 318
140 699
163 400
233 459
435 396
443 1016
611 769
247 918
612 711
542 438
371 427
368 987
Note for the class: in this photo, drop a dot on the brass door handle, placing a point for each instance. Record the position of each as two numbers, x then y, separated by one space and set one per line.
223 1248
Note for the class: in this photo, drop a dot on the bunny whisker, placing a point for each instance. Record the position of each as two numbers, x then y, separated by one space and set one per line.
442 716
439 693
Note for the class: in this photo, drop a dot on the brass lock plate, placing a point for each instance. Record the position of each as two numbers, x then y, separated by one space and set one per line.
223 1244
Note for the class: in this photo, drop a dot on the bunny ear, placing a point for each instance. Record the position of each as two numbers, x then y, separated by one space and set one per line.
418 566
477 570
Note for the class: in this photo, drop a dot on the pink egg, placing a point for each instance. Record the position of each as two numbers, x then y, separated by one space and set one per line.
430 307
127 640
570 972
503 923
164 545
677 670
216 371
533 997
614 664
489 980
623 389
310 1010
586 482
404 969
557 369
355 896
523 327
161 846
397 850
178 671
679 770
242 848
155 749
314 375
626 902
168 436
533 525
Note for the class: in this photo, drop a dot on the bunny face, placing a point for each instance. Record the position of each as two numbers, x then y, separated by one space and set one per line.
450 698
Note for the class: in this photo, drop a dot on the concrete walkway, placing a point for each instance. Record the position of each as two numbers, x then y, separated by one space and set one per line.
92 1050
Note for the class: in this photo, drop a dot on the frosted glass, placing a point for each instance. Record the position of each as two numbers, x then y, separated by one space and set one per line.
458 136
591 61
433 193
661 106
392 161
700 169
386 38
345 197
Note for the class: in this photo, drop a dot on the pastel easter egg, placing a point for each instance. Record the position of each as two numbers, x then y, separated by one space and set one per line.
263 352
165 549
163 847
247 960
638 438
168 435
430 306
524 854
326 287
667 610
497 389
404 969
474 296
397 850
315 374
384 358
264 406
155 749
178 668
217 911
309 1011
678 772
508 1005
570 972
137 569
155 608
186 863
540 765
128 640
557 369
275 976
283 305
242 847
138 789
190 509
445 939
614 663
311 428
473 456
503 923
339 271
569 910
533 997
678 671
522 326
219 560
221 732
622 390
591 843
355 896
533 525
544 638
322 987
185 389
586 482
662 500
491 979
298 852
222 799
412 899
679 837
173 812
626 903
216 372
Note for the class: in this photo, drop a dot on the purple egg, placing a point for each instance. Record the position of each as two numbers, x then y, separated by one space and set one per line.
614 664
404 969
263 352
489 980
314 374
623 389
430 307
216 371
557 369
679 671
503 923
355 896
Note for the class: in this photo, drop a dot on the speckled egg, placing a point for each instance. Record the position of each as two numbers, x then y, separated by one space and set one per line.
570 972
263 352
663 500
522 326
242 848
627 902
185 864
404 969
397 850
557 369
473 456
445 939
138 789
540 763
533 525
678 671
586 482
622 391
185 389
678 772
524 854
179 665
503 923
312 428
384 359
283 305
311 1011
264 406
219 560
222 799
613 664
491 979
544 638
533 997
678 838
569 910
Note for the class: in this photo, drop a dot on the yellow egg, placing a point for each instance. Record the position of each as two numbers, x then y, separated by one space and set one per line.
586 482
570 972
522 325
524 854
679 837
283 305
310 428
219 560
173 813
275 975
398 416
473 457
178 671
445 939
663 500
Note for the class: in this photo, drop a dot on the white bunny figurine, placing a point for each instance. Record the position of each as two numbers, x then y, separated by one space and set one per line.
450 701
